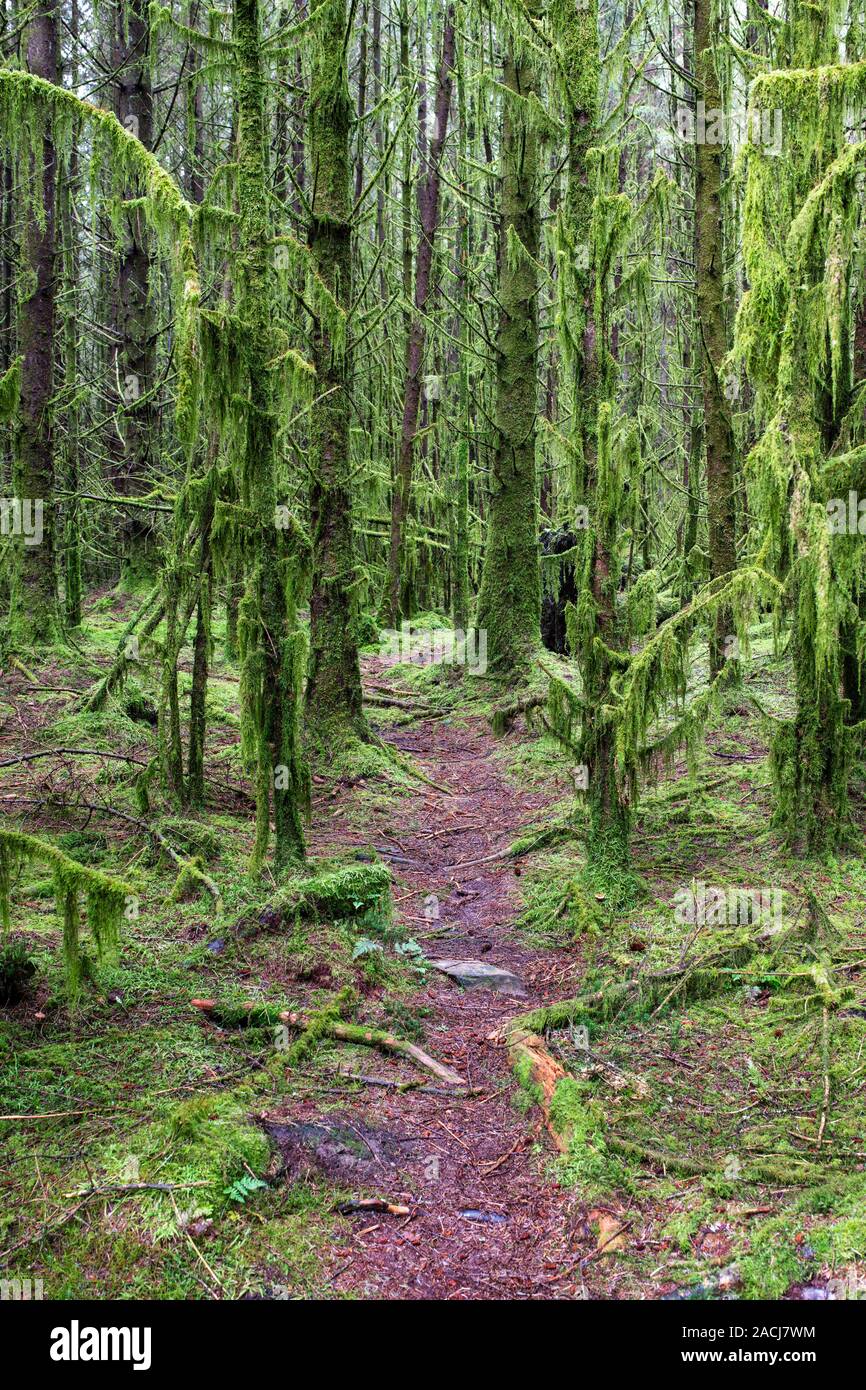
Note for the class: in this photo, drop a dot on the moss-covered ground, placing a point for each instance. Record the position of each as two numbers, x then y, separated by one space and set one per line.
133 1158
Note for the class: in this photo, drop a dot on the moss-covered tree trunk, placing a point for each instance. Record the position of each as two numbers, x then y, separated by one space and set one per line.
810 755
710 282
35 615
334 707
509 602
461 603
200 662
271 646
853 673
69 312
135 356
800 345
595 625
428 210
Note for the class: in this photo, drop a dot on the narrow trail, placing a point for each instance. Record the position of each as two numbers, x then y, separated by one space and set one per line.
444 1157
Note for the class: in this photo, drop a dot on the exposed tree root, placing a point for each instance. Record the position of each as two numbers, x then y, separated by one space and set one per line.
690 981
505 715
789 1174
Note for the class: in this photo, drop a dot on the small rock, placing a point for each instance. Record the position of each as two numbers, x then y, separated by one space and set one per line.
217 947
477 974
729 1278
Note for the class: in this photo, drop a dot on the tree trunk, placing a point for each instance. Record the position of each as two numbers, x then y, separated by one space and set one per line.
428 212
710 281
134 363
334 710
270 649
35 617
509 603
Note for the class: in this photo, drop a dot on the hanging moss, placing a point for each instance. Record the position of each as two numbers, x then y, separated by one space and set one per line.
10 386
104 898
794 331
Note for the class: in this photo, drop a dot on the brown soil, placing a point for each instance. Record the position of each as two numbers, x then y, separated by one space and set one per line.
484 1221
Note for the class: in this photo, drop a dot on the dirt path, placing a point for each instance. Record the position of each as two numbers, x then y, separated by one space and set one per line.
443 1157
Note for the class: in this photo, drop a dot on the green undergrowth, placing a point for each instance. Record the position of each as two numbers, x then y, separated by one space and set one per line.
141 1090
721 1113
136 1088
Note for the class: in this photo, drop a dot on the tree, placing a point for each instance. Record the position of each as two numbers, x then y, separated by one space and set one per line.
334 706
428 216
795 335
509 601
134 362
35 615
718 432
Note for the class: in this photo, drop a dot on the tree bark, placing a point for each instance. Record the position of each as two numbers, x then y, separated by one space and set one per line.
710 280
134 362
334 707
35 607
509 603
428 213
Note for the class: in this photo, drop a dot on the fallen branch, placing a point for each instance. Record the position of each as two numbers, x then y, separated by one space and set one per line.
530 1056
252 1015
825 1062
405 1086
505 715
187 867
76 752
371 1204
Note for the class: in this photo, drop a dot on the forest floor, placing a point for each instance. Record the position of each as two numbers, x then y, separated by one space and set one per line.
148 1151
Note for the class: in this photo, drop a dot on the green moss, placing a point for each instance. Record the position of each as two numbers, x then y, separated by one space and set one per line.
773 1262
349 891
319 1027
588 1165
106 899
212 1140
509 601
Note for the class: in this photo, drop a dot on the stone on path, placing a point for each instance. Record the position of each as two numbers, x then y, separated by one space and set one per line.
477 974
